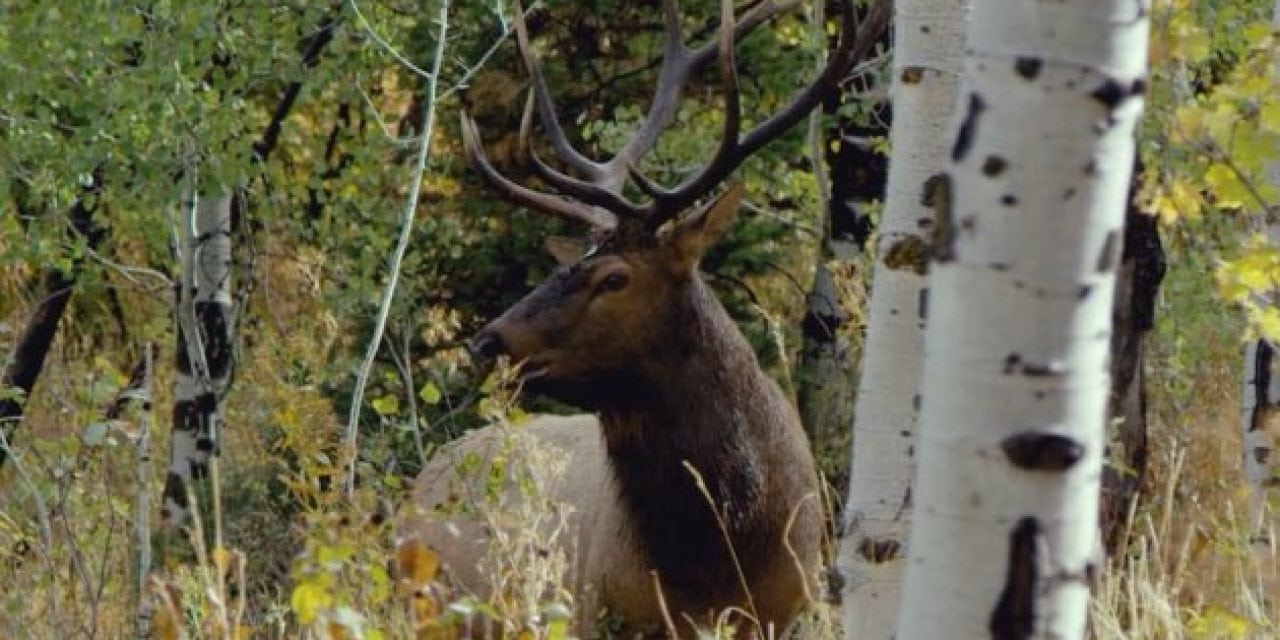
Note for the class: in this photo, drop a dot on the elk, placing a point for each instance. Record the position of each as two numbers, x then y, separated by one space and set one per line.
691 481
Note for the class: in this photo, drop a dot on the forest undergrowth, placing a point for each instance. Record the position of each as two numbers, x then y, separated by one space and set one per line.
278 552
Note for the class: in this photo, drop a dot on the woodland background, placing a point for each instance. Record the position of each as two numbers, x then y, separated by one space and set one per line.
312 113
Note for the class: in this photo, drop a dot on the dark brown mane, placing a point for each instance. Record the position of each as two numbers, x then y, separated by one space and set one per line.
668 422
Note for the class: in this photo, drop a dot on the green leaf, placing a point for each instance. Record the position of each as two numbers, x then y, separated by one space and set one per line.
430 394
387 405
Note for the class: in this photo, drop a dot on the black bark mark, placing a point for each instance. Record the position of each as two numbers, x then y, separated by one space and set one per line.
1028 66
1112 92
994 166
821 327
937 195
215 330
175 491
1042 451
1107 258
911 253
879 551
1261 386
1014 617
969 128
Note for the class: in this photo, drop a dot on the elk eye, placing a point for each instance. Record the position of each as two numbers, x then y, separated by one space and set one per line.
613 282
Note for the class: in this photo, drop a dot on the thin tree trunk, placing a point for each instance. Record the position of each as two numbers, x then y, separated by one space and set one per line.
826 372
928 39
1005 539
203 351
1142 266
37 337
139 390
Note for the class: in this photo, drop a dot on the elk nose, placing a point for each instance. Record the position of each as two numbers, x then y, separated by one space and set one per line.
486 345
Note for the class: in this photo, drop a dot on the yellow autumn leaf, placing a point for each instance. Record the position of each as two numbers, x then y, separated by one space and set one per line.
1217 622
1226 187
1186 198
310 597
1194 44
1267 320
221 559
1269 115
338 631
416 563
1188 122
164 624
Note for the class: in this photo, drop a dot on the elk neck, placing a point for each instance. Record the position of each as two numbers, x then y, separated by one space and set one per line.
702 400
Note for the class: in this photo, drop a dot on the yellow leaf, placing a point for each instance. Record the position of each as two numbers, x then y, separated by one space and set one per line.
379 584
221 559
1269 116
1226 187
387 405
1188 123
1268 321
1194 45
1217 622
416 563
338 631
164 625
310 597
430 393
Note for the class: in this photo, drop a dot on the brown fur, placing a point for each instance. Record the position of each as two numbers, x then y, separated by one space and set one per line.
673 382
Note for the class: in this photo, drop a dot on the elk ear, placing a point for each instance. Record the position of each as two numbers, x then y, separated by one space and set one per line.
691 237
565 250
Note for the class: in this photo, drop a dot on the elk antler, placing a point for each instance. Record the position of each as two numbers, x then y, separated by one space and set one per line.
597 198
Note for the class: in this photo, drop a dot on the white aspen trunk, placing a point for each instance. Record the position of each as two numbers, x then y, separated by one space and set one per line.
928 40
1005 539
204 356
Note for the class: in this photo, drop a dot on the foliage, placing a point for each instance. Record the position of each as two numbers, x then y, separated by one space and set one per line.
148 100
1213 138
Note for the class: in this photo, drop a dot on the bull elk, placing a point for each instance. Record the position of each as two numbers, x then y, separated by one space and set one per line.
692 472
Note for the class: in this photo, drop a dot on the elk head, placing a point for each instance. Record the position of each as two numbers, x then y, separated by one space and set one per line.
617 296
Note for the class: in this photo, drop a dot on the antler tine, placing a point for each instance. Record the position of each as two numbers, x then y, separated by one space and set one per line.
676 67
855 41
678 64
582 190
596 218
729 83
547 107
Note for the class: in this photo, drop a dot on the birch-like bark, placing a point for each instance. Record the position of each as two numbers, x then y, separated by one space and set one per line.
928 39
1005 539
203 350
